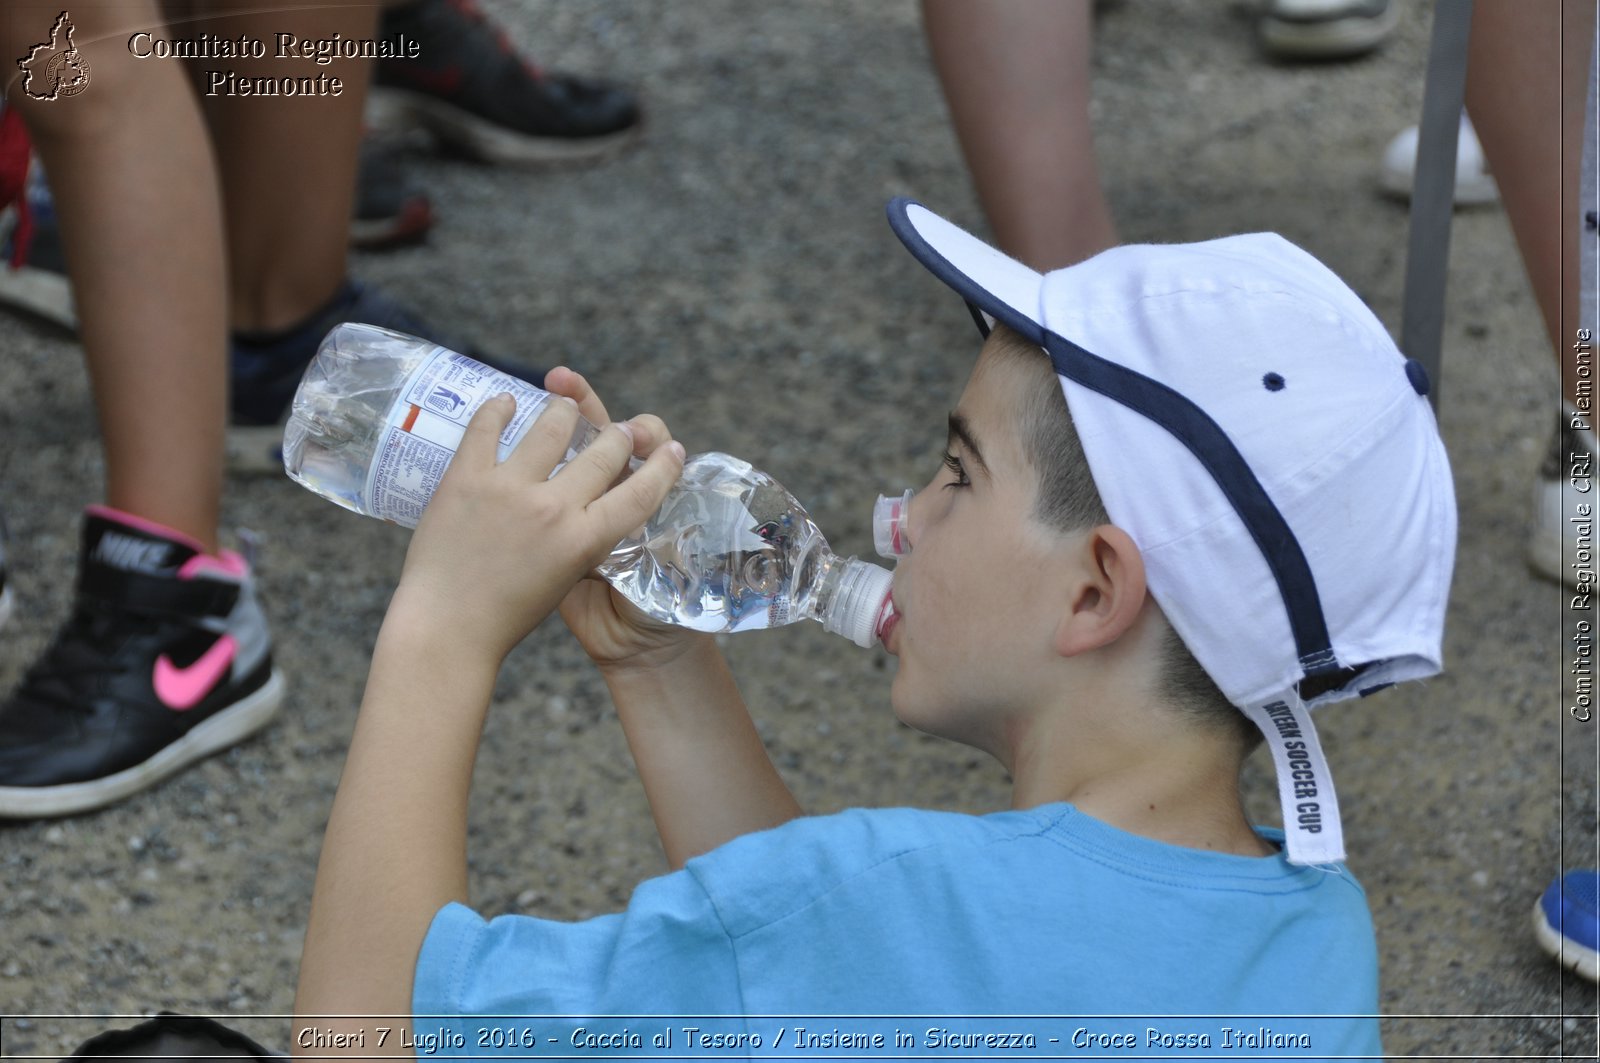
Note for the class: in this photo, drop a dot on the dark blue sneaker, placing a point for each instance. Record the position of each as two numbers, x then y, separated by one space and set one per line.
1567 922
265 369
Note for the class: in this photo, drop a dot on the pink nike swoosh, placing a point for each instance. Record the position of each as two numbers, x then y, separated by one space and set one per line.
183 688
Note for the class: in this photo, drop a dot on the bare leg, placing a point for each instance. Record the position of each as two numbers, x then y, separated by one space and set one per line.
288 164
1527 73
1016 77
141 226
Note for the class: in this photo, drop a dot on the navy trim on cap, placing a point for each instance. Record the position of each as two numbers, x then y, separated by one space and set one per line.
1206 440
1187 423
977 297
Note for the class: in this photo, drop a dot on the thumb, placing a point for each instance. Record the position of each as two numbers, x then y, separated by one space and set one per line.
480 444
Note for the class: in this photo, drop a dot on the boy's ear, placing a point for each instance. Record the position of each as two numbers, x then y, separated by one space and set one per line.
1106 595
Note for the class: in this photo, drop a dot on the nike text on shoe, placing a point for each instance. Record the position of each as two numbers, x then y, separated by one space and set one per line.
166 659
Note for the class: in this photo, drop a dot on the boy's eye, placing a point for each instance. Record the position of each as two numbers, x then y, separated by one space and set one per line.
953 463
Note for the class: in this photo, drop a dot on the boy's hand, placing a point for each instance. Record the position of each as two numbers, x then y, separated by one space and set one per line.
501 544
611 629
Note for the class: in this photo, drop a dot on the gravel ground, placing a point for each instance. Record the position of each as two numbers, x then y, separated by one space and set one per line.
734 273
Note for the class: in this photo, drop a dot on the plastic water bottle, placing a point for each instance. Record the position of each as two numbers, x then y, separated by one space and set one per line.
379 415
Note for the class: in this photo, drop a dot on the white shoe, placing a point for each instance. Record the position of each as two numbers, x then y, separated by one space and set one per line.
1324 29
1561 547
1473 183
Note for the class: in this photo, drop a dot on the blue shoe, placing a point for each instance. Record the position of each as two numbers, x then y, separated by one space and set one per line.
265 370
1567 922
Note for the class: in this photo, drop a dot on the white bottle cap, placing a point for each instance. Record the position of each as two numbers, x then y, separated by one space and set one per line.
891 518
858 606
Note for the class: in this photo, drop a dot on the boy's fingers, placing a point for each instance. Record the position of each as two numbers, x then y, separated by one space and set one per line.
572 384
545 445
629 504
649 432
481 442
591 472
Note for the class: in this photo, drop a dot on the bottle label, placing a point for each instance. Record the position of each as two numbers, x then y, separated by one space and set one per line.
425 425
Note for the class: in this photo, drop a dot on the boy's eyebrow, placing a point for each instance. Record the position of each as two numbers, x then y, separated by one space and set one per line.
961 428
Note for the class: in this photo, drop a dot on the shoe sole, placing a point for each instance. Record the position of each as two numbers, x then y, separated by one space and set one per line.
40 294
255 450
393 110
1570 954
1475 192
409 226
1555 540
225 729
1342 38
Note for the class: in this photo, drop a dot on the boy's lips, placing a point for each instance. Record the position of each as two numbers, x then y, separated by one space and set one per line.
888 623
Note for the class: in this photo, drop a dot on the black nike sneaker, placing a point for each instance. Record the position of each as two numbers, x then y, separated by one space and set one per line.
166 659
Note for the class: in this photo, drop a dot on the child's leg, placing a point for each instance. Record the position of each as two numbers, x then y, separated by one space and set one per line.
120 700
1016 77
288 163
1527 73
132 175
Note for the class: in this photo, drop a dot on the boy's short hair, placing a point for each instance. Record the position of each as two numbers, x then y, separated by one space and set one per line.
1067 500
1250 424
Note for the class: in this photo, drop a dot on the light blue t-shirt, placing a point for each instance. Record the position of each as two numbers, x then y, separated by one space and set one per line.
901 913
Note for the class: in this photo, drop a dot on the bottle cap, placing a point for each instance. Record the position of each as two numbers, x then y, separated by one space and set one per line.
859 604
890 520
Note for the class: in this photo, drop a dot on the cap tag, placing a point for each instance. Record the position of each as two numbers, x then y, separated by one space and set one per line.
1305 788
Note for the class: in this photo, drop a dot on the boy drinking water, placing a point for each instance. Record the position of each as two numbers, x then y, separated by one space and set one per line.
1189 490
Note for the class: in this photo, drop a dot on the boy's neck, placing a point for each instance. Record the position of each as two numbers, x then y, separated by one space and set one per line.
1181 788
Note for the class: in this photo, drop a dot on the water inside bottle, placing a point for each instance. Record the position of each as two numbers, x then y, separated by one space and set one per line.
340 410
729 550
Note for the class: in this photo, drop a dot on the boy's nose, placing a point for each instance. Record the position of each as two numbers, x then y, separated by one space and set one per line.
891 525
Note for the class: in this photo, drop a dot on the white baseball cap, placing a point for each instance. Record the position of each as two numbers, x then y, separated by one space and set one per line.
1254 429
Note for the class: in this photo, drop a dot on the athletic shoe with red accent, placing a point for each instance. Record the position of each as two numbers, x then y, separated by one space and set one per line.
473 93
390 210
165 659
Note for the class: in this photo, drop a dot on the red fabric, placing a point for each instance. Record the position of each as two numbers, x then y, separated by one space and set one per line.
15 152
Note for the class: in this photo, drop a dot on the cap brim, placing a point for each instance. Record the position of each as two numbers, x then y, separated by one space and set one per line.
999 286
